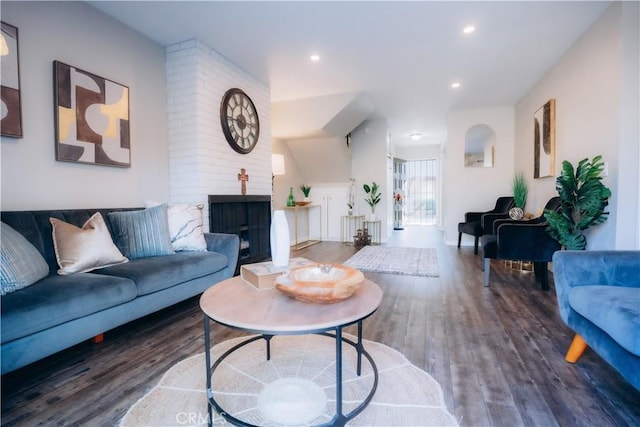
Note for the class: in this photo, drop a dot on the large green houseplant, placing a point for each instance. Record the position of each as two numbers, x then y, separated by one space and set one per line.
583 200
374 196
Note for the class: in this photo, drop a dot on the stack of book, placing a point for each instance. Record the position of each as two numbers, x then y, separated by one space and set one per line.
262 275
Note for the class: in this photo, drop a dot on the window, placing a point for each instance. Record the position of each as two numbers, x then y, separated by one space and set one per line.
420 198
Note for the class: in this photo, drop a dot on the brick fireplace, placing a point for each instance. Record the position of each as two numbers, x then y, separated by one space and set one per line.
247 216
201 162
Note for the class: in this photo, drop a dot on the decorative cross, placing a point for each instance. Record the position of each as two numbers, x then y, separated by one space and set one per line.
243 177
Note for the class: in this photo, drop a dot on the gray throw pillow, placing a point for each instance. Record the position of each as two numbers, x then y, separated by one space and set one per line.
143 233
21 264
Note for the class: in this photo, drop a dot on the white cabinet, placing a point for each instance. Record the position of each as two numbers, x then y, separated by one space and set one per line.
333 200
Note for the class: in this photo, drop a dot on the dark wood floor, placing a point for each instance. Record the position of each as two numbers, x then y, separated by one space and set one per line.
497 352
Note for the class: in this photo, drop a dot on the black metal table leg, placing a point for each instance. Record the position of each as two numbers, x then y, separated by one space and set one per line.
267 338
359 348
339 414
207 353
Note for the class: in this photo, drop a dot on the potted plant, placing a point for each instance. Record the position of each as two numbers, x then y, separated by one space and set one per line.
583 200
374 197
351 195
306 189
520 190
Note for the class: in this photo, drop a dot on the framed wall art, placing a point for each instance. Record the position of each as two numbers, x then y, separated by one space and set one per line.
91 118
11 122
544 140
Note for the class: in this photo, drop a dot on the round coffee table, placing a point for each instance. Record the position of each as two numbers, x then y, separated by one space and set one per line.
237 305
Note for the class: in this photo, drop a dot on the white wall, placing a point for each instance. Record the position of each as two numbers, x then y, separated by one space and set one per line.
292 178
595 85
325 165
322 159
418 152
79 35
201 160
370 160
471 188
628 207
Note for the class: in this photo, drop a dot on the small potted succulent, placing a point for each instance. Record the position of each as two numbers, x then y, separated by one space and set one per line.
306 189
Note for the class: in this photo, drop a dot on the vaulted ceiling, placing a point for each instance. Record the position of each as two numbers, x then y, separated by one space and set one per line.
395 60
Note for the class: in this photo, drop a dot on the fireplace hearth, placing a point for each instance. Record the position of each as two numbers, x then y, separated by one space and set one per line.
247 216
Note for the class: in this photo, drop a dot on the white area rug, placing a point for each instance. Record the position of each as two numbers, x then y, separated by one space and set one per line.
396 260
406 395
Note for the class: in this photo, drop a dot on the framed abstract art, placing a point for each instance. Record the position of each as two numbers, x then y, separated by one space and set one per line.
91 118
11 123
544 140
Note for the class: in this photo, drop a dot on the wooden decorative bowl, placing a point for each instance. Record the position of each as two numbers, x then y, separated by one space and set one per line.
320 283
303 203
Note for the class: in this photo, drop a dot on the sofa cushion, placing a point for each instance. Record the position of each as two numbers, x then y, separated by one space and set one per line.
614 309
21 264
143 233
153 274
58 299
80 250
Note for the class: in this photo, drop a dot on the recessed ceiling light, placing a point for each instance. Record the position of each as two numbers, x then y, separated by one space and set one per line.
315 58
416 136
455 85
468 29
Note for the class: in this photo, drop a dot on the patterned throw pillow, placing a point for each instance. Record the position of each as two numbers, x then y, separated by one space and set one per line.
79 250
21 264
142 233
185 226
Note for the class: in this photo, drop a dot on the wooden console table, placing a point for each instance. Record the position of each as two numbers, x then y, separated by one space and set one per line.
310 241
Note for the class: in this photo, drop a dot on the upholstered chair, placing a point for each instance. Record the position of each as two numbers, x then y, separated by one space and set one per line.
521 240
474 221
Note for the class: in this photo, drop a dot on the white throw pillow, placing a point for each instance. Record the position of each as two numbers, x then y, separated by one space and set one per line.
79 250
185 226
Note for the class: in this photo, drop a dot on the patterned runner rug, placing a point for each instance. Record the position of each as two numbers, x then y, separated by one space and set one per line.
405 396
396 260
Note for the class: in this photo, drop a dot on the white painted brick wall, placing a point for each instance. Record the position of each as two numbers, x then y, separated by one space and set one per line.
201 162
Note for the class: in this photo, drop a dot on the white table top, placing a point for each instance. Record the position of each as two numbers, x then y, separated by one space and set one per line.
238 304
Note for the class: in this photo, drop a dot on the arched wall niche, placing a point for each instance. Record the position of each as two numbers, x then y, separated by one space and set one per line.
479 147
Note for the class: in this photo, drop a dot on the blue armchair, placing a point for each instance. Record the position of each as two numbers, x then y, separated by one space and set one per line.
522 240
599 298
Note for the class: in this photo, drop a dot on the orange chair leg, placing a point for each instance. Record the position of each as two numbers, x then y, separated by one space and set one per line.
98 339
578 346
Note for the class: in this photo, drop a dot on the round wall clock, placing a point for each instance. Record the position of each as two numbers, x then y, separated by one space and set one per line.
239 119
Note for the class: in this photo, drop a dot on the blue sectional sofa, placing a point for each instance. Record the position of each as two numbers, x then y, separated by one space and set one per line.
60 311
599 298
